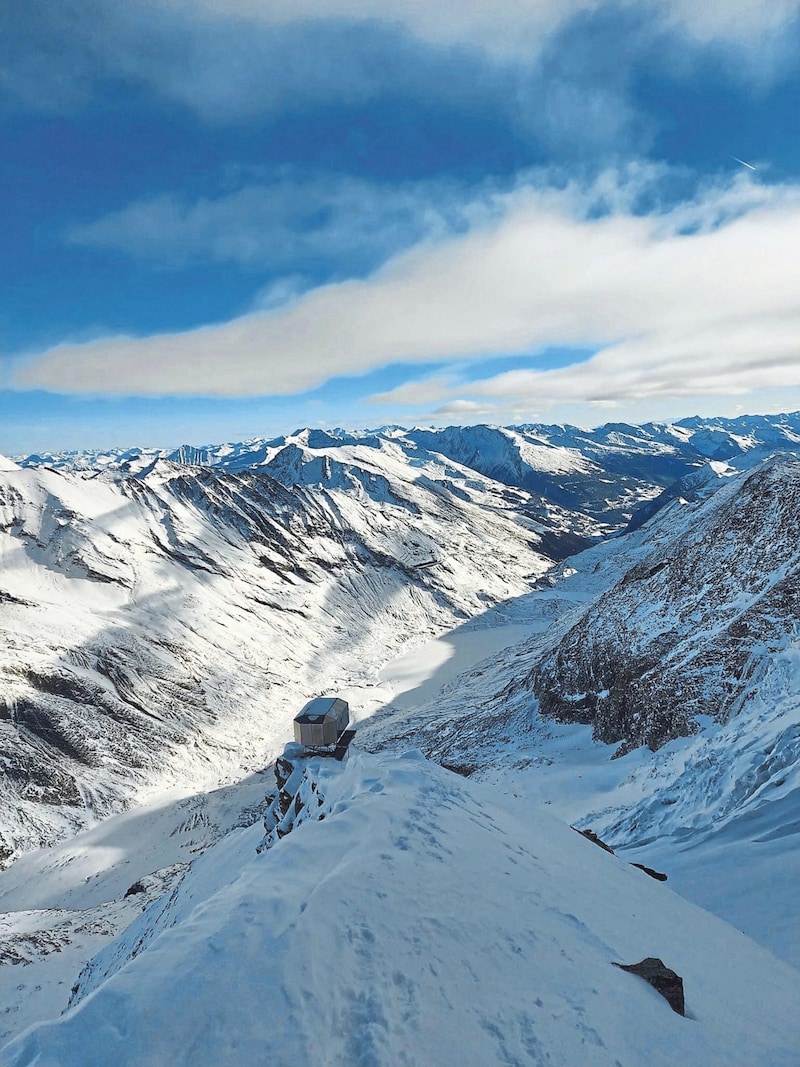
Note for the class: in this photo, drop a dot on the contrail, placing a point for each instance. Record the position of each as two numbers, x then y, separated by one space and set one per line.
744 163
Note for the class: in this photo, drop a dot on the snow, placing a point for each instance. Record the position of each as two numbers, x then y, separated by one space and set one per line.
72 895
417 676
421 923
187 615
428 918
553 459
717 811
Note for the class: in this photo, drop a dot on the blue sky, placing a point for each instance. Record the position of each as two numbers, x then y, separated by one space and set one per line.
230 219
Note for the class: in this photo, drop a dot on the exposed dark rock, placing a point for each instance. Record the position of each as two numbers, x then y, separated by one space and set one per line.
283 771
36 718
137 887
661 978
590 835
39 781
464 769
658 875
298 797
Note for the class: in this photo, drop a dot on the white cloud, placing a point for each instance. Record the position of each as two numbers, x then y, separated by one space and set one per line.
514 411
425 391
229 59
745 22
504 28
518 28
714 311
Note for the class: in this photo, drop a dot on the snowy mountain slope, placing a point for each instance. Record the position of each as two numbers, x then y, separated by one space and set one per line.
694 614
165 625
712 585
604 474
60 906
180 593
606 477
376 465
719 438
689 631
422 923
698 485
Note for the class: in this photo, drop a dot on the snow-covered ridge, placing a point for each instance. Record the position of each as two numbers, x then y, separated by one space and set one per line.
690 629
422 923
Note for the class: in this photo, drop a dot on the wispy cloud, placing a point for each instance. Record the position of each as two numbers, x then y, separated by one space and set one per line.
293 222
228 60
748 23
224 64
510 28
700 297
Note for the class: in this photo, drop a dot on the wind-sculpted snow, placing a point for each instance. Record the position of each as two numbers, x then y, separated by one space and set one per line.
689 630
163 626
420 923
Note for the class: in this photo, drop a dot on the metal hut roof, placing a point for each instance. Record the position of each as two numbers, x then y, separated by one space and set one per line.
321 721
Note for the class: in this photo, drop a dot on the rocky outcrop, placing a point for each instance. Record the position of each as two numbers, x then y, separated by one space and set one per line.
689 630
658 875
590 835
661 978
298 796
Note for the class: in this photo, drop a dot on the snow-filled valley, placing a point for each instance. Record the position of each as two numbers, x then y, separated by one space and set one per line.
516 664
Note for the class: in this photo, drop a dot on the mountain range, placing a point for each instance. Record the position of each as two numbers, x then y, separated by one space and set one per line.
629 599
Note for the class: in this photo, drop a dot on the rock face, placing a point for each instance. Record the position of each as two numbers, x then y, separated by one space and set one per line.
661 978
689 630
298 796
